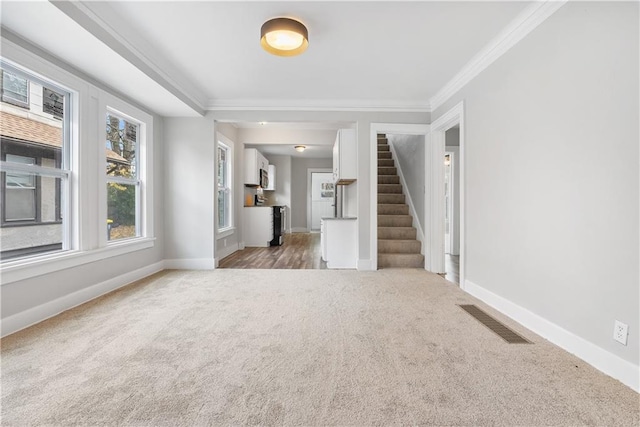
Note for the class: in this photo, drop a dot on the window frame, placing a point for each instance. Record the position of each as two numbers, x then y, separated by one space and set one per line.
62 171
110 104
134 181
13 101
227 145
87 239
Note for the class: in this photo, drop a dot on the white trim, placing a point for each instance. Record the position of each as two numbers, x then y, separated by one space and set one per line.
99 20
225 252
438 128
365 265
378 105
609 363
49 309
412 208
376 128
299 230
527 21
14 271
190 264
225 232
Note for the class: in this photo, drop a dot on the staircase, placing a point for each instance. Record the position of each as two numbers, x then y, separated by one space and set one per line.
397 244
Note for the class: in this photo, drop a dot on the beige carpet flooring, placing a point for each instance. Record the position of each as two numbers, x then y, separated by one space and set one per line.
297 347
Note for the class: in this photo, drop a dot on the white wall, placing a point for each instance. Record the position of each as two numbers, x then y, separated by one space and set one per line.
231 241
299 167
282 194
189 191
552 174
409 150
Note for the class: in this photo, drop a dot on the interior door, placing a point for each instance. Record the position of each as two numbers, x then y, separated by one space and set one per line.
322 192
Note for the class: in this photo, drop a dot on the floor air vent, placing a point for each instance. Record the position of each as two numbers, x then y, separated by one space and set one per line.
499 328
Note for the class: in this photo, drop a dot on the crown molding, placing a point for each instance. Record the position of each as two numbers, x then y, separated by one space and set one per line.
318 105
519 28
95 19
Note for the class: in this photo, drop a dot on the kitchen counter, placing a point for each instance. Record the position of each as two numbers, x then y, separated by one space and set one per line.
338 217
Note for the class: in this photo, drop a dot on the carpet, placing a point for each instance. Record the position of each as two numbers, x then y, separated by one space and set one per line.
295 347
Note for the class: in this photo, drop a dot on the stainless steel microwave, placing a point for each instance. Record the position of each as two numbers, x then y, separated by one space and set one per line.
264 178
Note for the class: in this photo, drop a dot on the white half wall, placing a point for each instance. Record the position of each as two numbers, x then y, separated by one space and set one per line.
552 175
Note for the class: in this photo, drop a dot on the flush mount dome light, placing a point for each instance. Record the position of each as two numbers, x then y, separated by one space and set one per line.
284 37
300 148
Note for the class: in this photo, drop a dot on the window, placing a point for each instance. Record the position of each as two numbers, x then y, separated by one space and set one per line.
35 160
15 89
123 180
225 199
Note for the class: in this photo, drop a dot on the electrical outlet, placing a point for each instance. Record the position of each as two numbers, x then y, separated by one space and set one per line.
620 332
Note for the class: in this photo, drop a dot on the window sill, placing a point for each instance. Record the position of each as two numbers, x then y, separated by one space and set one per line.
14 271
225 232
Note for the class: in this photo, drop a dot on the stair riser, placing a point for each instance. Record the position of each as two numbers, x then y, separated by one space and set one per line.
388 179
395 221
396 233
393 209
399 246
389 189
391 198
384 155
400 261
387 171
382 147
385 162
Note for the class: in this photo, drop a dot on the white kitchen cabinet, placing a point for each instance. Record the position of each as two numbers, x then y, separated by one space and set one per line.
272 178
345 157
258 226
338 242
254 161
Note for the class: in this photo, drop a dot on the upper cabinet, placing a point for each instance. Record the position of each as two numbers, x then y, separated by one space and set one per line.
254 161
272 178
345 157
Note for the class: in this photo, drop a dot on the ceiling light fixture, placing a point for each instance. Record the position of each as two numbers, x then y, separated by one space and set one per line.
300 148
284 37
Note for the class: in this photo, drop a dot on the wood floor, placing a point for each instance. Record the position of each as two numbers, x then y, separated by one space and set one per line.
299 251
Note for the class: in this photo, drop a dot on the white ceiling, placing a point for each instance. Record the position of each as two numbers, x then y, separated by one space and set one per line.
180 58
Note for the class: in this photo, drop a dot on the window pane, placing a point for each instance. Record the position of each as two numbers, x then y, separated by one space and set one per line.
22 206
15 90
121 211
121 146
52 102
31 205
222 167
223 209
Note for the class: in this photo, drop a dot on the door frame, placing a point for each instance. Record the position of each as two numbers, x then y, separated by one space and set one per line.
402 129
309 172
455 116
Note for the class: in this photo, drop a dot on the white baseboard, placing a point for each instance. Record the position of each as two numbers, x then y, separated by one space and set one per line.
241 246
299 230
190 264
49 309
225 252
365 265
612 365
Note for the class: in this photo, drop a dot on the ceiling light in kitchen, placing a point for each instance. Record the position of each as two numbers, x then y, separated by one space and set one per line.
300 148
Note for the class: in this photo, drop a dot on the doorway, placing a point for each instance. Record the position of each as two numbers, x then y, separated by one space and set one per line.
447 137
320 197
